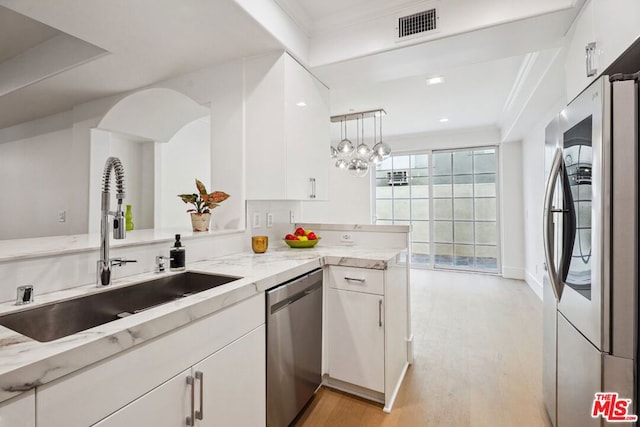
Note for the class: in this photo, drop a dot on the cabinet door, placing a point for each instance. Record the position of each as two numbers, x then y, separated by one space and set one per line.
307 133
580 35
616 26
234 383
356 338
166 405
19 411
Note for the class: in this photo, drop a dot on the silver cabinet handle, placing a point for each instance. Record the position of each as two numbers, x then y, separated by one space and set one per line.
547 222
353 279
313 188
200 377
191 419
589 52
380 313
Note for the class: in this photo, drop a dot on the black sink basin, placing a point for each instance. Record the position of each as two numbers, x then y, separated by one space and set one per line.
57 320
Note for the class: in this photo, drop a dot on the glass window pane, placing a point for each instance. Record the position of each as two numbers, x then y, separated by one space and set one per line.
486 258
385 192
442 186
463 209
484 161
402 209
384 209
485 185
443 255
420 252
442 209
463 232
421 190
401 162
485 209
486 233
441 164
385 165
463 255
384 222
462 162
420 231
443 231
420 161
463 186
420 209
401 191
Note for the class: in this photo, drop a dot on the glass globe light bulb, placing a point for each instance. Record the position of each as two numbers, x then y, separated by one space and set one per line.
382 149
358 167
342 164
345 147
334 152
363 151
375 158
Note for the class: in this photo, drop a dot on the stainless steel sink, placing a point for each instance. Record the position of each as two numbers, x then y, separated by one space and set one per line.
57 320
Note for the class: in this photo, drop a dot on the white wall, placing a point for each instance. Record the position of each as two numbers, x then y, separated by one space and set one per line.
511 211
533 182
182 160
36 182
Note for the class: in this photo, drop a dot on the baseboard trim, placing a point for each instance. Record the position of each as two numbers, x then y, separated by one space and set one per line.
389 403
513 273
534 284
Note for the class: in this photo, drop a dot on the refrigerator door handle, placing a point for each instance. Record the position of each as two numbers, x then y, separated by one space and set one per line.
547 223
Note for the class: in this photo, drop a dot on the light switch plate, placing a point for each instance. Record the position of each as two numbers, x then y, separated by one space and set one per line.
346 237
269 220
256 220
62 216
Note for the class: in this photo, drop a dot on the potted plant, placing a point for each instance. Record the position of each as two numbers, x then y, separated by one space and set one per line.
203 202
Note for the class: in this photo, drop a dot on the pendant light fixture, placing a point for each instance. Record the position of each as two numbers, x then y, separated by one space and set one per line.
356 158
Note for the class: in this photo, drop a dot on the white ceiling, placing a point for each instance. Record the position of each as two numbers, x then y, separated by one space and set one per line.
152 40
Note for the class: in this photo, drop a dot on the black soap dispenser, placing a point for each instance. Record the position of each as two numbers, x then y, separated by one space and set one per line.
177 256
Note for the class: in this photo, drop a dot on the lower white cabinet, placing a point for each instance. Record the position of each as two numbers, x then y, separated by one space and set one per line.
225 389
356 338
367 331
19 411
147 384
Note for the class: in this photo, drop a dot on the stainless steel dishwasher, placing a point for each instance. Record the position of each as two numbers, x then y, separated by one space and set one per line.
294 346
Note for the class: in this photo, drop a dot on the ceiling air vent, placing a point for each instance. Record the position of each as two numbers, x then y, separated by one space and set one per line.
417 23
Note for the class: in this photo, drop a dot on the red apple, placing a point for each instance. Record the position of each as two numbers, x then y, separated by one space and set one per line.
295 238
290 237
312 236
299 231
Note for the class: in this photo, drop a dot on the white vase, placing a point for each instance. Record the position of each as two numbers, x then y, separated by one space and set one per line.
200 221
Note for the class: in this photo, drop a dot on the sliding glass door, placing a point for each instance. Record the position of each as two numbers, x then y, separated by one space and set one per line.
450 195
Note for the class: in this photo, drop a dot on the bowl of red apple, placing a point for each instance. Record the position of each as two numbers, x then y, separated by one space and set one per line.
302 239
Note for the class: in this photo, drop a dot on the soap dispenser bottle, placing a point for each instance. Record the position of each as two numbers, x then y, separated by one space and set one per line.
177 256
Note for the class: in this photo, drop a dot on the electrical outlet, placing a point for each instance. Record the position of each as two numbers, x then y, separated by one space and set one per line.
256 220
62 216
346 237
269 220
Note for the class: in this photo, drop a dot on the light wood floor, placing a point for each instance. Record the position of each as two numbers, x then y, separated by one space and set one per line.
478 360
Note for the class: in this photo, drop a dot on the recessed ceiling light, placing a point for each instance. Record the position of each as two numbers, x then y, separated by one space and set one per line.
301 104
444 120
435 80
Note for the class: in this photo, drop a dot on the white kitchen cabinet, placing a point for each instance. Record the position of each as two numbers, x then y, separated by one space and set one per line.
133 377
228 389
19 411
602 31
287 130
367 343
356 338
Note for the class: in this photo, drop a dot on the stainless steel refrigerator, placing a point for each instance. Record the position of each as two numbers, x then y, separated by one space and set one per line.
590 224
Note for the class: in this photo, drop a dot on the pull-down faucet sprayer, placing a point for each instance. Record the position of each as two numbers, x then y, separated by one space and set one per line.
119 229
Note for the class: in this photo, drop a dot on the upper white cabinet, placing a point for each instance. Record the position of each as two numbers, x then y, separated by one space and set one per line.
287 131
601 33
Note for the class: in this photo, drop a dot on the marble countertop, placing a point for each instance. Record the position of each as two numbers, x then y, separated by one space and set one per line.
26 363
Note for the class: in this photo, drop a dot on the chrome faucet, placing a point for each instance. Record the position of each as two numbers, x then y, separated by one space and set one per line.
103 274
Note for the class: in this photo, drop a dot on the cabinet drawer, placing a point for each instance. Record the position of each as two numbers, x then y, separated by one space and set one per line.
357 279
